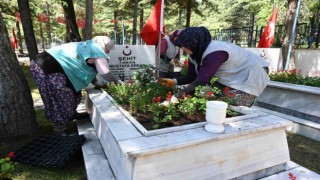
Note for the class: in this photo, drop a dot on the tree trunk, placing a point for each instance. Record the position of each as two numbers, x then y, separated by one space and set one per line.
189 6
135 17
88 26
19 37
17 115
48 24
115 26
291 9
141 22
251 25
71 23
180 18
41 35
27 26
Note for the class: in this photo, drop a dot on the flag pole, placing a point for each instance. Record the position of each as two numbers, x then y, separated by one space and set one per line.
159 38
292 35
158 55
123 35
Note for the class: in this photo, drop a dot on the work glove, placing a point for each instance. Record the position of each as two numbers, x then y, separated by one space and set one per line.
166 82
109 77
97 82
173 100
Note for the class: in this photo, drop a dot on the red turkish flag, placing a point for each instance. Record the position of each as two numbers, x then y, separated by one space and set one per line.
81 23
61 20
43 17
267 38
114 21
96 21
17 14
154 25
14 41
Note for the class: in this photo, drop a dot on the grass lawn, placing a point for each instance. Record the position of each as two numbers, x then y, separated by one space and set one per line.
303 151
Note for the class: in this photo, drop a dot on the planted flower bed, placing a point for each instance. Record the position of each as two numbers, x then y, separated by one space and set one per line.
295 77
143 95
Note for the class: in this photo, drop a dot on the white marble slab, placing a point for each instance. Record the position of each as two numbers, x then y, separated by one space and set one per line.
295 87
96 162
117 122
303 101
223 159
248 114
164 142
299 172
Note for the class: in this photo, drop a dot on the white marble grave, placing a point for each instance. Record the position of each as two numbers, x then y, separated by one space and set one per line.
292 99
247 147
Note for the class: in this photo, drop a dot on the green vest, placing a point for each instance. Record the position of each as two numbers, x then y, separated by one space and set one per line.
72 58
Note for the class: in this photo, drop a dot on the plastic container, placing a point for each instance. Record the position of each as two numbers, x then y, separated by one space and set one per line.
215 115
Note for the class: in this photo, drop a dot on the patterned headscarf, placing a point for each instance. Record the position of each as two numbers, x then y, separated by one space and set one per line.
197 39
174 34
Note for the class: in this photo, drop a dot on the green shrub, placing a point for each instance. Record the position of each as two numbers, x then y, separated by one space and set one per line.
295 77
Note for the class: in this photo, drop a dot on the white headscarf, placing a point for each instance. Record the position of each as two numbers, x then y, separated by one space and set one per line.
105 42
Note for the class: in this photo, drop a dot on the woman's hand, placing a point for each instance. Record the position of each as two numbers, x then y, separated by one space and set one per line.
166 82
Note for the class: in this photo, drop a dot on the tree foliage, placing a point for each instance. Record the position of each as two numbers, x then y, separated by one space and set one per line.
210 13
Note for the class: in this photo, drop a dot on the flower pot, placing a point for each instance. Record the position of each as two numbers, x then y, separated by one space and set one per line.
215 116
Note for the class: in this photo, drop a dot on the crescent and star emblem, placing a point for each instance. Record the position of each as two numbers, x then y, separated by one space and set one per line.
271 26
126 52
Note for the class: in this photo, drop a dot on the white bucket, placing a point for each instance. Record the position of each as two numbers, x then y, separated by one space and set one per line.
215 115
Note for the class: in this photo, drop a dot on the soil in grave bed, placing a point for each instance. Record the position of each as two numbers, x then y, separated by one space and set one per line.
146 119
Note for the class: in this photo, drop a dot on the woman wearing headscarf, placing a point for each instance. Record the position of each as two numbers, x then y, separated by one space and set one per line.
168 51
240 71
63 71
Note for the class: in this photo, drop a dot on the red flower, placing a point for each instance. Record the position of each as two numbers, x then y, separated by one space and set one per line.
131 81
230 94
210 94
185 96
169 95
227 93
292 176
156 100
226 90
186 63
11 154
292 71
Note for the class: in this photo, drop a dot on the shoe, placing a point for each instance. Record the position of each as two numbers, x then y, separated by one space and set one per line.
77 115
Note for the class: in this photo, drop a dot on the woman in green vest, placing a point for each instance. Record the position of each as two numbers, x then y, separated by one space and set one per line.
63 71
